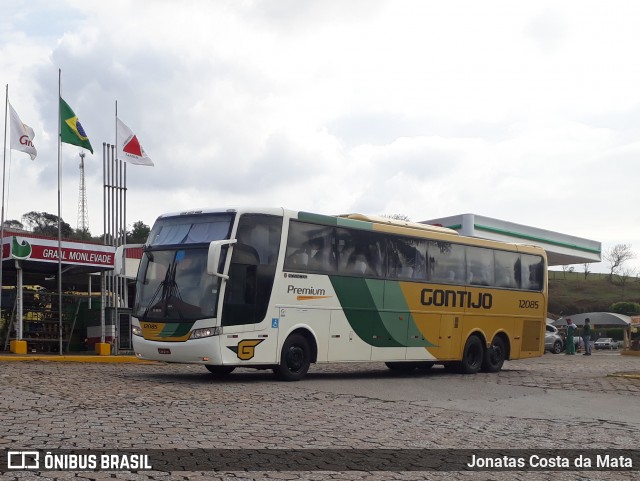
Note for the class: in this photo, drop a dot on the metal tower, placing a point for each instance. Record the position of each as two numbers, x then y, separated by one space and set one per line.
83 211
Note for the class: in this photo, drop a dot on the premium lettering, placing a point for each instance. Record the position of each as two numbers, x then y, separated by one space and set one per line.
307 291
451 298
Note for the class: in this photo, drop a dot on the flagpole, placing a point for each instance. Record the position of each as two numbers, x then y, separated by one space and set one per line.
116 278
59 214
4 163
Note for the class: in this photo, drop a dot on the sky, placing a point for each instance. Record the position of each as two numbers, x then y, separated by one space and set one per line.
523 111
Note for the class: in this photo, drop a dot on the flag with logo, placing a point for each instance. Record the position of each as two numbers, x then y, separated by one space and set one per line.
129 148
71 131
21 135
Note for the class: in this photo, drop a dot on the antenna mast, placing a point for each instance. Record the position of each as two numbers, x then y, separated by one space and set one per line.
83 211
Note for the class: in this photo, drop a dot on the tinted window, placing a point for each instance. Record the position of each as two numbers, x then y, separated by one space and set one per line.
407 258
252 269
310 248
532 272
189 229
480 268
360 253
446 262
507 269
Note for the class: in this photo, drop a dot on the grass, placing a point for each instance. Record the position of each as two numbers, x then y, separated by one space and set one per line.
571 293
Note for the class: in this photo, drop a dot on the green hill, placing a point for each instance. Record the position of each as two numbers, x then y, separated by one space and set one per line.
570 293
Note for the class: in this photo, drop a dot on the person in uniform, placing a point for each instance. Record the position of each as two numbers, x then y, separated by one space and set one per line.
571 331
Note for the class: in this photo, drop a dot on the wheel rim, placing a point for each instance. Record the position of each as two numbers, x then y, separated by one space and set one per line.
495 354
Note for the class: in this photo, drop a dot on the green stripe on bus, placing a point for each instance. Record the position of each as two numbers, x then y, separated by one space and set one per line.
176 329
356 296
317 218
334 221
401 317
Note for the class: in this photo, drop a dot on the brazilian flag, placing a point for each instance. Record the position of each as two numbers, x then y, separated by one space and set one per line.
71 131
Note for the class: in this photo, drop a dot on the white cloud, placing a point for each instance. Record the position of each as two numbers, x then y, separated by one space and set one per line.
525 112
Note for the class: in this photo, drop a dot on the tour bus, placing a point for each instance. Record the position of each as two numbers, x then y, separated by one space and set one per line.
280 289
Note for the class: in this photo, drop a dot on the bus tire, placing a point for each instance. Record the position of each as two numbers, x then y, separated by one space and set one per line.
494 356
472 356
295 359
219 370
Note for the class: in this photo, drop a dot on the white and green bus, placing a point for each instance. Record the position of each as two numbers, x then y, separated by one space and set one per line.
282 289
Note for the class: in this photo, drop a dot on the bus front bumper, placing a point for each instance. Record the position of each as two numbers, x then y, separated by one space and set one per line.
193 351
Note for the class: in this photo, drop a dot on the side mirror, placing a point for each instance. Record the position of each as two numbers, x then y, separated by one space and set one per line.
119 263
213 258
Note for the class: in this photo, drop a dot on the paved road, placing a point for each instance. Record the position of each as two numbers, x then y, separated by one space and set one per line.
556 401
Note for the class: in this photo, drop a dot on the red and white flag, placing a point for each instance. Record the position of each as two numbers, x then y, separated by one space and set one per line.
21 135
129 148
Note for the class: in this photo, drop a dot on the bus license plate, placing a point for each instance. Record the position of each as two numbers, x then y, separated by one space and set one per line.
164 351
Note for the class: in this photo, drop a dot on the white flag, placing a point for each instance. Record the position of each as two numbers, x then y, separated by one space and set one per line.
21 135
129 148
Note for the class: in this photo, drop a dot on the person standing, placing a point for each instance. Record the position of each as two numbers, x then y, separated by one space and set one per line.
586 336
571 331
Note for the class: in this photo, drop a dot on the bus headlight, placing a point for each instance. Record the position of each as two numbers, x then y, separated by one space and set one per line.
205 332
136 331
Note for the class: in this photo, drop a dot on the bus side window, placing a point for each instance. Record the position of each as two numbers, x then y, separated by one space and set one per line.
310 248
507 269
532 269
447 262
480 266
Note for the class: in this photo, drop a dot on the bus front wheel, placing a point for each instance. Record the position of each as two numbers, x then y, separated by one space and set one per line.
472 356
295 359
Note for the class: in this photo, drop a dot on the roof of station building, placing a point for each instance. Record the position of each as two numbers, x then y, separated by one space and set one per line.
562 249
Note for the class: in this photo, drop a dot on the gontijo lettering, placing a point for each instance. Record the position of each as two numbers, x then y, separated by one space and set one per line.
451 298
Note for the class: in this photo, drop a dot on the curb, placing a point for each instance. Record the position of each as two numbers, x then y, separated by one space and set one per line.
83 358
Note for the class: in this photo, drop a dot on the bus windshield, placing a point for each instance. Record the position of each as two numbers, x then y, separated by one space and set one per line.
173 283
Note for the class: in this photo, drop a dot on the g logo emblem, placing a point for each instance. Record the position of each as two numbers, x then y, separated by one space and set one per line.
246 348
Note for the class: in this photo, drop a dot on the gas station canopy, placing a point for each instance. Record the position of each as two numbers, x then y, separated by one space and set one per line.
38 256
562 249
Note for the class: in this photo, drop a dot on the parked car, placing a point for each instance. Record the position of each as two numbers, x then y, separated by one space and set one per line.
605 343
553 341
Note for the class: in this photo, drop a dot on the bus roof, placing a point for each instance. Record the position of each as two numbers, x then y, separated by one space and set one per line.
400 223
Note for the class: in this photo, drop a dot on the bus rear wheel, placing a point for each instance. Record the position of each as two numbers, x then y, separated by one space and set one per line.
472 356
219 370
494 356
295 359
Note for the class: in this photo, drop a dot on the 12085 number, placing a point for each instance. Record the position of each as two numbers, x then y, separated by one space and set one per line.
527 304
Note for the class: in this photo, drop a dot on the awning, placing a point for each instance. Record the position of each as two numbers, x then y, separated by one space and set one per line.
596 318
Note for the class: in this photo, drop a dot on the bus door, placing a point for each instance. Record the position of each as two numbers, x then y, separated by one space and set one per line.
248 334
441 333
450 335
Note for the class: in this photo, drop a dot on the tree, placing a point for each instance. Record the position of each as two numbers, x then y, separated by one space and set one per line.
81 234
587 269
616 256
566 269
13 224
139 233
44 223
